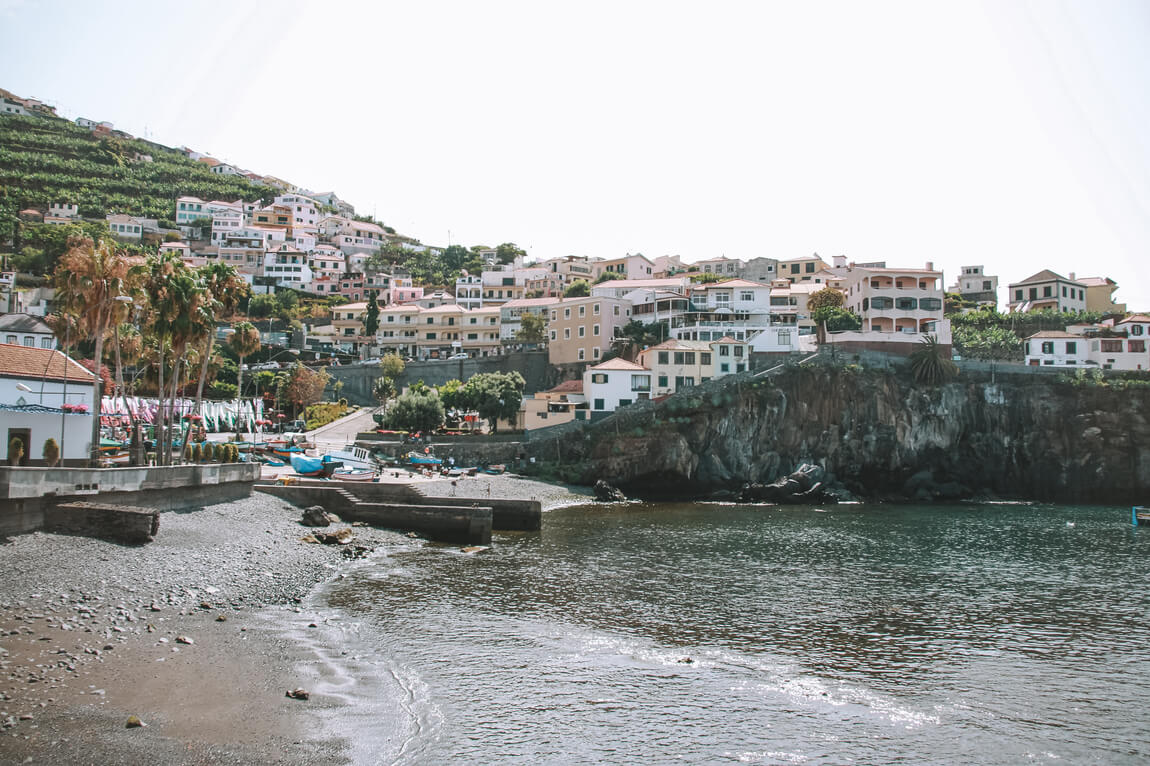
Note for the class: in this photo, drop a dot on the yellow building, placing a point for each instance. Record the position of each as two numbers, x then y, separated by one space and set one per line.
581 329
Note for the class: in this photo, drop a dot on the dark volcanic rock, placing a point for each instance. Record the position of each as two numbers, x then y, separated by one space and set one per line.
606 493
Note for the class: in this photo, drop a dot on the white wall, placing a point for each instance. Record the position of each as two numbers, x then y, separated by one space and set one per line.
74 441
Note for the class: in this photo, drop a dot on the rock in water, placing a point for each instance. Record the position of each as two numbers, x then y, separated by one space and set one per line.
316 516
298 694
803 486
604 492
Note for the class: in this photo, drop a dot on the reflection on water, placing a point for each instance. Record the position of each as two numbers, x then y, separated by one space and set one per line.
709 633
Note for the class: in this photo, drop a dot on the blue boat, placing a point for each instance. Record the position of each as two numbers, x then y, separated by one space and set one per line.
314 466
422 458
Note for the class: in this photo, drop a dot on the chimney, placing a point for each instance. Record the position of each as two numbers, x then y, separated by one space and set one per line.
930 265
1072 276
840 261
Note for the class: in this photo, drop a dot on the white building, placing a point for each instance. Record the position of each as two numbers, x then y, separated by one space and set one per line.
35 384
974 285
614 384
895 300
62 212
125 227
288 267
26 330
469 291
1125 346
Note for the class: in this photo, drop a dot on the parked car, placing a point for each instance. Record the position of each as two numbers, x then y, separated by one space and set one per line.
266 366
368 362
454 357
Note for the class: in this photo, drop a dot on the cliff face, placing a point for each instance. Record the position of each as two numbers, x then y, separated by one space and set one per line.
880 435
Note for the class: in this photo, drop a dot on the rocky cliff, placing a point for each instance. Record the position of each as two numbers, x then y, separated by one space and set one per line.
879 435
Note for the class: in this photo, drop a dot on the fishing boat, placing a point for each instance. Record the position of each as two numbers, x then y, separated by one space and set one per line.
354 457
314 466
1140 516
423 458
287 453
353 474
496 469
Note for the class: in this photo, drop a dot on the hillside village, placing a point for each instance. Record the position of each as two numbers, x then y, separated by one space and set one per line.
615 330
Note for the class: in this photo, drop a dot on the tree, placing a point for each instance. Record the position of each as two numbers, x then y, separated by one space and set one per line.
416 411
580 288
392 366
828 297
89 279
706 278
833 319
371 317
225 290
495 395
305 386
508 252
929 363
634 336
383 389
608 276
532 328
262 306
452 395
244 341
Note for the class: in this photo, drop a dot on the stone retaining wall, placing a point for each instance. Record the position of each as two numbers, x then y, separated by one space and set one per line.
120 523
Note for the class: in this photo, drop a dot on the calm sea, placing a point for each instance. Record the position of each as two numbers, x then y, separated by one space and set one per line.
708 633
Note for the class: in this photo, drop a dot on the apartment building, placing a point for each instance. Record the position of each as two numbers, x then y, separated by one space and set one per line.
398 330
630 266
895 300
511 315
723 266
677 364
1099 295
581 329
803 269
974 284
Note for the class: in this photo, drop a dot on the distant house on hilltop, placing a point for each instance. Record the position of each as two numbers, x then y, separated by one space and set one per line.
1047 290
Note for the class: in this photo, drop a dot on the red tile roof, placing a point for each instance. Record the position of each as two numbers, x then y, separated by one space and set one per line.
567 387
36 363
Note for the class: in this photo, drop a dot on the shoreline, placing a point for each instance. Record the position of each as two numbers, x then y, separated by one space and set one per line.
90 639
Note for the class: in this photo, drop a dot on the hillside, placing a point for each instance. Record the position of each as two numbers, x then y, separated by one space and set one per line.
45 160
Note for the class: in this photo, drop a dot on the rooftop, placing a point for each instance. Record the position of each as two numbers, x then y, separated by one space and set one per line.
40 363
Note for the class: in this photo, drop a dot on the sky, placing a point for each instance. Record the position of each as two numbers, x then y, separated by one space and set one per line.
1011 134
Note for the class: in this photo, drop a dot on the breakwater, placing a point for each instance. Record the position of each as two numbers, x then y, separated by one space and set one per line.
878 434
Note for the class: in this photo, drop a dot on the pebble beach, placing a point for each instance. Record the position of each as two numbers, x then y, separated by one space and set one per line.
196 635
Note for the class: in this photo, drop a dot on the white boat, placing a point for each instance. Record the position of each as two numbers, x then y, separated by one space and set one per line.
354 457
353 474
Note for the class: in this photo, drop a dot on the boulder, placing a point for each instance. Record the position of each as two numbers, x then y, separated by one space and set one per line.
316 516
604 492
338 537
803 487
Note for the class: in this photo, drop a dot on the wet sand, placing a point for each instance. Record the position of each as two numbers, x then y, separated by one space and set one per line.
90 635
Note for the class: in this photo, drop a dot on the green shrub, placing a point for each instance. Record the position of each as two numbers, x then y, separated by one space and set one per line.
196 455
15 450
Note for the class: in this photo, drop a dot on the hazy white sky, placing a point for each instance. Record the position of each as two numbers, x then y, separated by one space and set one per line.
1011 133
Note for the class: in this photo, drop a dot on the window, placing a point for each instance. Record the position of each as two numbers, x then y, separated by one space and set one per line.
684 381
662 381
724 350
746 295
811 268
431 336
29 341
553 314
595 353
664 356
1063 291
582 331
624 402
595 309
552 335
1135 329
566 333
705 357
640 382
1111 346
1048 347
880 303
582 311
794 268
930 304
1033 293
10 339
724 367
430 320
1071 347
1134 347
738 350
906 304
45 343
1017 295
567 313
985 285
598 404
581 354
595 330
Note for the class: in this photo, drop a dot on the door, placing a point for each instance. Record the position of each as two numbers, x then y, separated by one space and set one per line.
25 437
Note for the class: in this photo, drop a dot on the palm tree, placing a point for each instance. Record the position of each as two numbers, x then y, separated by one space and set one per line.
245 341
89 278
930 365
226 289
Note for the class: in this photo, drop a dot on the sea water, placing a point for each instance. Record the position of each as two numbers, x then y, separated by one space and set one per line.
717 633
